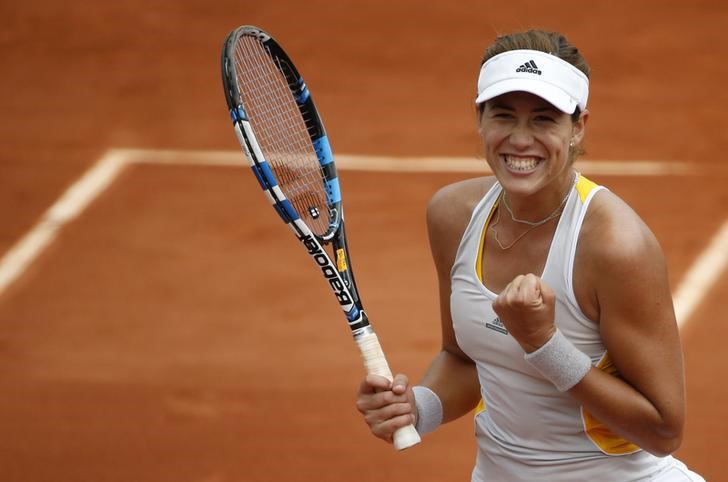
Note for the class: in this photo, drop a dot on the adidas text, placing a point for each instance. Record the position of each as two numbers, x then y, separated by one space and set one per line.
529 67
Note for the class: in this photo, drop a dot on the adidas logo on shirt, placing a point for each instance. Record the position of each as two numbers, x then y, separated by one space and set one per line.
497 325
529 67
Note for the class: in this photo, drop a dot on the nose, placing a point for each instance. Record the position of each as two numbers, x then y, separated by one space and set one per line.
521 136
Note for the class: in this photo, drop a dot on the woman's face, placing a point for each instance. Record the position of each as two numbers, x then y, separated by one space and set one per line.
526 141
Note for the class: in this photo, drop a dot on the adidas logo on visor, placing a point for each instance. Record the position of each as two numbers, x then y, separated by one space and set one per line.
529 67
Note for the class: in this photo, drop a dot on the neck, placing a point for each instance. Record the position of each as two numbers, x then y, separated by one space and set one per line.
533 212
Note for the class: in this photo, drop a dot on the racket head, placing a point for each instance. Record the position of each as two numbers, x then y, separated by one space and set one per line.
281 131
283 137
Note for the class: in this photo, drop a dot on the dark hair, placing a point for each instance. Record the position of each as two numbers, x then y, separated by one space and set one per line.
552 43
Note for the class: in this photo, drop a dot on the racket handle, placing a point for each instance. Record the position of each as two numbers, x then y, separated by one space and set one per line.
376 364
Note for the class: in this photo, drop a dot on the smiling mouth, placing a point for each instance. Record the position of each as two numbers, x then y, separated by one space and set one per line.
521 164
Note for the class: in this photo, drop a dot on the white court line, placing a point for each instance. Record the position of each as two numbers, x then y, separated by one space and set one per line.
406 164
471 164
76 198
83 192
703 274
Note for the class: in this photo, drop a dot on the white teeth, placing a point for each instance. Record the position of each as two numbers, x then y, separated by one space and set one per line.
521 163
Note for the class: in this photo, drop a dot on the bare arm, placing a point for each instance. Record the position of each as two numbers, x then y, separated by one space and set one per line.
626 268
451 375
620 281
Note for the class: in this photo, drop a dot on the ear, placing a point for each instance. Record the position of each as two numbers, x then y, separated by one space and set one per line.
479 118
578 128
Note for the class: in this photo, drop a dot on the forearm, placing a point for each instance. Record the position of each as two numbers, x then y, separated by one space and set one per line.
644 405
651 419
455 381
630 414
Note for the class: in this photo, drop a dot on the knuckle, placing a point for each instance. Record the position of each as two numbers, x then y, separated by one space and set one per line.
381 432
403 408
371 419
401 421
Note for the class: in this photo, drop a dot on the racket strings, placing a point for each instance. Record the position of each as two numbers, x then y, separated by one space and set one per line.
281 131
273 111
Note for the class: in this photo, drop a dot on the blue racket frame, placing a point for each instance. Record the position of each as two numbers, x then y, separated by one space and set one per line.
338 274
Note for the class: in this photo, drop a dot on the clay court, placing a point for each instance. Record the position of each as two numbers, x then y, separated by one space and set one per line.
159 323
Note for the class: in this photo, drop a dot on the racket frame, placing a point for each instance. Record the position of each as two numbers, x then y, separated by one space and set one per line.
338 274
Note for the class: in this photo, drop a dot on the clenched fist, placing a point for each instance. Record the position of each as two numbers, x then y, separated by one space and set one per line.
527 309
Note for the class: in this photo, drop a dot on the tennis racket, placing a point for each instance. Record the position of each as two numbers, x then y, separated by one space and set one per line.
282 135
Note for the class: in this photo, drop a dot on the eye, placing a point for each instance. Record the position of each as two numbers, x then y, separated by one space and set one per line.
545 118
502 115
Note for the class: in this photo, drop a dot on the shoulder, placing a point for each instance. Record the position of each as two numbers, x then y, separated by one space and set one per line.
613 231
454 203
448 214
619 261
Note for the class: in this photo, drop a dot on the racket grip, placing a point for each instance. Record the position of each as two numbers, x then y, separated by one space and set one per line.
376 364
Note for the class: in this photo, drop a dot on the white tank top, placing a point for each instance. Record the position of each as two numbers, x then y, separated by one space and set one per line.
525 428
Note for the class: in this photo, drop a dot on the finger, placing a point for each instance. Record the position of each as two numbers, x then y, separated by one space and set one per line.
375 401
397 422
374 383
547 294
397 416
530 291
517 282
388 412
399 384
506 293
514 295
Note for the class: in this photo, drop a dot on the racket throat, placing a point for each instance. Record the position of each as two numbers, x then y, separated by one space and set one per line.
359 325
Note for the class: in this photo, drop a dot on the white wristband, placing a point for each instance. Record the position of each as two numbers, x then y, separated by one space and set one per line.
560 362
429 409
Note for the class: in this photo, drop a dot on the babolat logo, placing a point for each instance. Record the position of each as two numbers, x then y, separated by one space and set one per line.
329 272
529 67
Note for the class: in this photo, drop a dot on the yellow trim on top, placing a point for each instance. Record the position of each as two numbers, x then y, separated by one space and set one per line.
584 186
600 435
481 245
480 408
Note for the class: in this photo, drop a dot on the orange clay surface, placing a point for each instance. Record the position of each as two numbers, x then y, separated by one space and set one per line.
175 331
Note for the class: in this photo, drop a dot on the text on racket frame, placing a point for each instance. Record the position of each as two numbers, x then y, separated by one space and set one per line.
323 261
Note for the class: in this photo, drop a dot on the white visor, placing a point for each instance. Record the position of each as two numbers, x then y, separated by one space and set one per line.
540 73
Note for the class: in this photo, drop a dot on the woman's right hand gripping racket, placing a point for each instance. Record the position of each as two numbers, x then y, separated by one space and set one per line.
282 136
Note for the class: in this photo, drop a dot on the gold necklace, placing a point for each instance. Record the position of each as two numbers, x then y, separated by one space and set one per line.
533 224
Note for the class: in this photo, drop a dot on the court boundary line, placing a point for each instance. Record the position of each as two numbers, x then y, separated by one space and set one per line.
363 162
700 277
67 207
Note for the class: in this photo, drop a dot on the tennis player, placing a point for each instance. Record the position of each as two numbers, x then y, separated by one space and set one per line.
557 319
